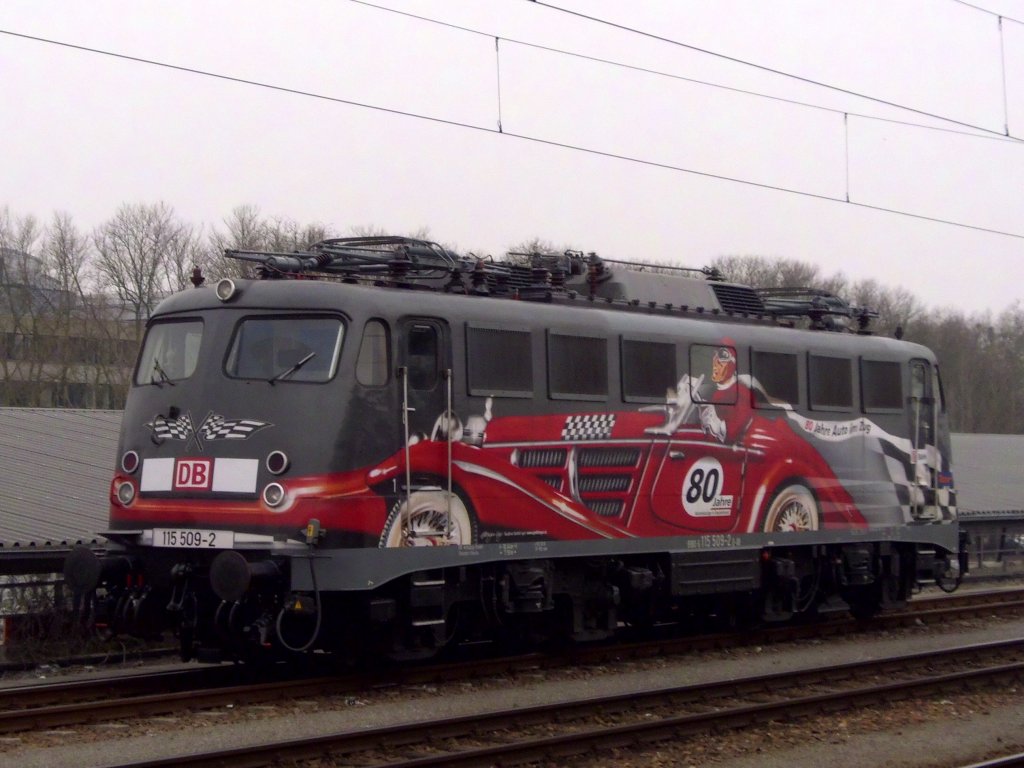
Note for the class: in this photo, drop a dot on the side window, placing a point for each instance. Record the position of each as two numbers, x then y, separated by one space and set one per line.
940 391
648 370
713 373
577 367
776 379
922 403
499 361
373 366
421 357
831 382
881 385
918 380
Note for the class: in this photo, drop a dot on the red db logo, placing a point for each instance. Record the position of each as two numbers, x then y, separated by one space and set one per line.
193 474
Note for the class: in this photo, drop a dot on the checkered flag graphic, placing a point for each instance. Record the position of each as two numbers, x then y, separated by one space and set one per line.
589 427
173 429
216 427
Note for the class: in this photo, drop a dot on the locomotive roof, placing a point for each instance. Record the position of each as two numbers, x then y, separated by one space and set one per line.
401 273
579 314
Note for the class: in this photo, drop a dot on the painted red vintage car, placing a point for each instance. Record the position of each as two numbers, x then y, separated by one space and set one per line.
650 472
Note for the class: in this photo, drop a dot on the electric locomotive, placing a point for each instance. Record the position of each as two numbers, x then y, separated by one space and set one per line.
381 445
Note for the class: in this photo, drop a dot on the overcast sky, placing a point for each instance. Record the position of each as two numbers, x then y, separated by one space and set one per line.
84 133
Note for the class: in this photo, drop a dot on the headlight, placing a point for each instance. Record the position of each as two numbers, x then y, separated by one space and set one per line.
226 289
126 493
277 462
273 494
130 462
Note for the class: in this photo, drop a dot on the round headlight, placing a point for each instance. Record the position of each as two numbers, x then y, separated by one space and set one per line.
273 494
130 462
126 493
226 289
277 462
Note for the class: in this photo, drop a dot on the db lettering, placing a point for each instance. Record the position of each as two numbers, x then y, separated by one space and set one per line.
192 474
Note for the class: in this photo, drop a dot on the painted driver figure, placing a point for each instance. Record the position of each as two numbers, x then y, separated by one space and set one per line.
728 393
695 398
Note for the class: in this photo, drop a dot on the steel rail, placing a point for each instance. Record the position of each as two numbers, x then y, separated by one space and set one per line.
647 730
32 706
42 693
1007 761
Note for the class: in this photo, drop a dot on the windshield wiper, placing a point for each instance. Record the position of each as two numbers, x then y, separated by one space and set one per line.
163 375
285 374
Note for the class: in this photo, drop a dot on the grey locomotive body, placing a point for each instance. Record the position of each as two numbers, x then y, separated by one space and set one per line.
358 461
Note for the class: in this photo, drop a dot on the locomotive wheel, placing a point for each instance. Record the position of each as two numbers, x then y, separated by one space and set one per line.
793 508
422 521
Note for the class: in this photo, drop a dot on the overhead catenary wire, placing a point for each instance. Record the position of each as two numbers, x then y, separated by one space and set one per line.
504 133
985 133
761 67
1002 62
977 7
497 76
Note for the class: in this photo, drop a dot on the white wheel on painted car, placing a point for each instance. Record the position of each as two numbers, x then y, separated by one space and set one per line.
793 508
422 521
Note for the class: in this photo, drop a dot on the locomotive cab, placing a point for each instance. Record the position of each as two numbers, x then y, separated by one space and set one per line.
237 431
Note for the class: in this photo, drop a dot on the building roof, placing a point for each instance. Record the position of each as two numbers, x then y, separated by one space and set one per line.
988 472
56 465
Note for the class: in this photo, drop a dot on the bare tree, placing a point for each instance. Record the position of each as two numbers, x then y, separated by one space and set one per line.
245 230
897 308
520 253
64 254
284 234
141 253
93 349
764 272
22 303
187 253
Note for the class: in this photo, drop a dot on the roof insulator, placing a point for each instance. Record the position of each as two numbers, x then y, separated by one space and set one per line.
558 279
479 278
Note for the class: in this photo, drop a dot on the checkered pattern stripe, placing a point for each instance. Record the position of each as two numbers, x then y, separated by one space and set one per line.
216 427
901 472
173 429
589 427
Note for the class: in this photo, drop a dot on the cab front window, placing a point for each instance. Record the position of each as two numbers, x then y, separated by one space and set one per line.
276 349
170 352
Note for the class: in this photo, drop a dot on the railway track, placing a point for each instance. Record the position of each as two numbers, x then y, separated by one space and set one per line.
561 731
1007 761
59 704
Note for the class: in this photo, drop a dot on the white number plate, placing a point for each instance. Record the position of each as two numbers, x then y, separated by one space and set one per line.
193 538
